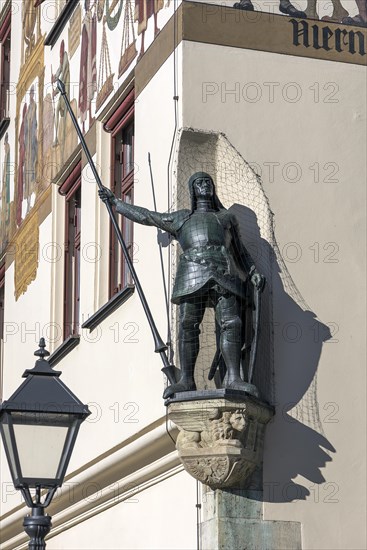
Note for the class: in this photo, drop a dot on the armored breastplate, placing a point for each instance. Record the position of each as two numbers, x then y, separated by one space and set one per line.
205 239
202 229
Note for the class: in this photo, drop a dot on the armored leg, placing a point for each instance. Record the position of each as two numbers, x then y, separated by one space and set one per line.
191 315
227 311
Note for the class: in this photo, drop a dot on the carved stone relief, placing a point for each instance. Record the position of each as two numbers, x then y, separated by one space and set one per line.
220 441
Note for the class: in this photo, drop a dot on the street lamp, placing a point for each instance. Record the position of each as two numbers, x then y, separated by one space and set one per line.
39 425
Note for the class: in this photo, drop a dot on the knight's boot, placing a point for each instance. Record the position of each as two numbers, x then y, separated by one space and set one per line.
244 5
236 383
188 355
286 7
311 11
231 351
357 21
233 381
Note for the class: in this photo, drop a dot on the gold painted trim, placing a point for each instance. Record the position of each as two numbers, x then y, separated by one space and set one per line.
33 67
26 256
42 209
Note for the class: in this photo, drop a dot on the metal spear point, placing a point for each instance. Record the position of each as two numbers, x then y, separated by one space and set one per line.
160 347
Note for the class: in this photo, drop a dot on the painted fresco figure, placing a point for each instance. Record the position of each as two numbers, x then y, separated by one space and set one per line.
88 67
5 195
63 72
144 9
21 166
31 149
340 14
214 271
360 20
29 20
285 7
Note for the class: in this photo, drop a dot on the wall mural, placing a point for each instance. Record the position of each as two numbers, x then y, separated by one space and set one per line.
111 17
105 74
29 181
27 153
59 137
6 197
131 17
144 10
128 43
88 66
31 31
74 30
339 12
29 112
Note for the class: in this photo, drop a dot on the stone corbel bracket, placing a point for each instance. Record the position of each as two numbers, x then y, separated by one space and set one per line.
220 442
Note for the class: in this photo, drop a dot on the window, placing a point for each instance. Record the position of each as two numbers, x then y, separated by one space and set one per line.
123 187
4 71
71 188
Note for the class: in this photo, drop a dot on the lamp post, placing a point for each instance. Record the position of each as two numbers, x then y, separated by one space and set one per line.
39 425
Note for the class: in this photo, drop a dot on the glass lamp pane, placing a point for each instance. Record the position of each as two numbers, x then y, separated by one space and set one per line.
40 440
40 449
7 444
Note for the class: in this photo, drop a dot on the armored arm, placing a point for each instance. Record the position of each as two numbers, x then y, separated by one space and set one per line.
142 215
139 214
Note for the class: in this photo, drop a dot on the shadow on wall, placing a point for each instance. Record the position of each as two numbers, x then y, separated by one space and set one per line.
295 444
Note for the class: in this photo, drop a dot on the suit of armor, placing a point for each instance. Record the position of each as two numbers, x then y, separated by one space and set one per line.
213 271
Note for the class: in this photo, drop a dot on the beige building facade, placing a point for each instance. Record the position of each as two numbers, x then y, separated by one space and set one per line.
274 107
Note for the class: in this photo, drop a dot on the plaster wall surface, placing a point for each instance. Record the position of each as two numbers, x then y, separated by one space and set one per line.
315 448
119 529
24 322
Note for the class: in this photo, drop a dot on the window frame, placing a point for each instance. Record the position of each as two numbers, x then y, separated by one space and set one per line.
70 189
5 44
121 120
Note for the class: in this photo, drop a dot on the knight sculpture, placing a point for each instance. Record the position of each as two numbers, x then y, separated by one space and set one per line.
214 270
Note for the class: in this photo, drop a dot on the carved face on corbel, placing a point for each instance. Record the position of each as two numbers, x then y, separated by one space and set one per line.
238 421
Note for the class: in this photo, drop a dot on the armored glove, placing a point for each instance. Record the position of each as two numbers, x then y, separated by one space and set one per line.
107 196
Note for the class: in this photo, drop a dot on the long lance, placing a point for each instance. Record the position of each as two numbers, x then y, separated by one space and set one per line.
160 347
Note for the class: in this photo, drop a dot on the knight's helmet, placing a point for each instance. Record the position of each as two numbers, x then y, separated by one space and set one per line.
217 203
